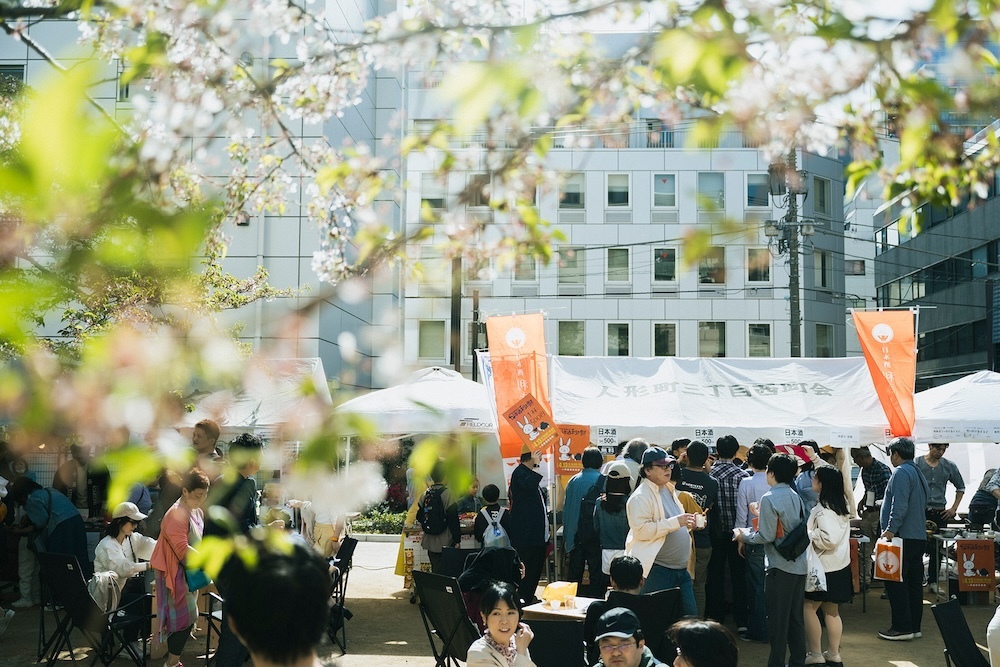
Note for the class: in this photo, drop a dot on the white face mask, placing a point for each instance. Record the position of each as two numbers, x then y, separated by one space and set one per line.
3 487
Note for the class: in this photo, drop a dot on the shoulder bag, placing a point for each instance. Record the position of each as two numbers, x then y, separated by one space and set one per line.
796 541
195 577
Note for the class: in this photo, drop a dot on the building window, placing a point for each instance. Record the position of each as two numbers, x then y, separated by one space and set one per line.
824 340
854 267
712 266
618 190
823 267
433 272
665 264
432 192
571 193
479 185
618 339
430 339
525 269
757 189
15 72
617 265
711 339
821 193
711 190
571 266
664 190
758 265
664 339
759 334
571 339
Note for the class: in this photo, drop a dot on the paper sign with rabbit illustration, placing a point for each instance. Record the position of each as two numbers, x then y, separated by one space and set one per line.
573 439
533 423
974 559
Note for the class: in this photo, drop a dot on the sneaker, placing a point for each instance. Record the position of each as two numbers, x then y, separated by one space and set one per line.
815 659
833 660
884 596
933 588
918 634
742 628
5 620
895 635
24 603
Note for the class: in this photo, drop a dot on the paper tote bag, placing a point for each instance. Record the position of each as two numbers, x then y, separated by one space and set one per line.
889 560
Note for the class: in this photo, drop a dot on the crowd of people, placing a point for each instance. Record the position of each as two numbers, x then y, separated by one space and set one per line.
151 537
717 523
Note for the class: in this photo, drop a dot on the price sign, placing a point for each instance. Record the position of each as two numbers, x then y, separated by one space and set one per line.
606 439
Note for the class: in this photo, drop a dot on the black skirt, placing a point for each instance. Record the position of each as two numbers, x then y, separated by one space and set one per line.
839 588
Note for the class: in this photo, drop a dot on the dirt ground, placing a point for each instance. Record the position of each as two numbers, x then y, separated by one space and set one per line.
387 631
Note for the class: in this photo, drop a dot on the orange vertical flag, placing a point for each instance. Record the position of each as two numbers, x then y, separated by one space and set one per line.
888 340
520 368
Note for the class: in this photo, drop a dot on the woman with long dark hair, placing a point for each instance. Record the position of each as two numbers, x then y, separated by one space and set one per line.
122 550
703 644
829 529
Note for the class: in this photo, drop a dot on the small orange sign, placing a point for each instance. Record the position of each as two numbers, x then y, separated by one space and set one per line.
976 568
573 439
533 423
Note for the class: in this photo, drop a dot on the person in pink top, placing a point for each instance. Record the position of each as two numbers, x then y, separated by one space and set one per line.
180 531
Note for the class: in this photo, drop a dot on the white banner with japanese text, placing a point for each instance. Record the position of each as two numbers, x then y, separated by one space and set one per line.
832 401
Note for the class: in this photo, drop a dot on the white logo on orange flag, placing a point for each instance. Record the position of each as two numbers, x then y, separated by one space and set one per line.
888 340
520 369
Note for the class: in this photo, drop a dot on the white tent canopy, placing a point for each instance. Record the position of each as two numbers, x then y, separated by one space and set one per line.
832 401
966 410
272 397
433 400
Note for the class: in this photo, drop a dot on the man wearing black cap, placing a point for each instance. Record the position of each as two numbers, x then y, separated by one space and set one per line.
620 641
659 529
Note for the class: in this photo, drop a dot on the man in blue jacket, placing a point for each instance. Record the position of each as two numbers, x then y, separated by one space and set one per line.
903 516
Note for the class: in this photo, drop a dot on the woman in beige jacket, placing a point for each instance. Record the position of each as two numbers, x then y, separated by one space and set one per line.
505 642
829 529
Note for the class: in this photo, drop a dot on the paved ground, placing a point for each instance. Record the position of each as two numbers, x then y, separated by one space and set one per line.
386 629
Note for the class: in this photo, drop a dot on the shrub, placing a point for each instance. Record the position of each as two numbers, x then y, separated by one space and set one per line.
379 520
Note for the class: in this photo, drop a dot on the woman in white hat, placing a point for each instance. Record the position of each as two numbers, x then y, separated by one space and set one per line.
124 551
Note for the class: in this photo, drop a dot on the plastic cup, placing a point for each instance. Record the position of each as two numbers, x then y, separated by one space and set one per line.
555 604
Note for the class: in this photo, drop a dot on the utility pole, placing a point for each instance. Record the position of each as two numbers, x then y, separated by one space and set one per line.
475 332
456 313
791 218
786 183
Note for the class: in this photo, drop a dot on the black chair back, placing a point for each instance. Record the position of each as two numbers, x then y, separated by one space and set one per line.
67 587
336 628
557 643
453 561
445 618
656 612
960 647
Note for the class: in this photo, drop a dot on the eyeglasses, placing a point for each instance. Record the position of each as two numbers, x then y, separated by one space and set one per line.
608 649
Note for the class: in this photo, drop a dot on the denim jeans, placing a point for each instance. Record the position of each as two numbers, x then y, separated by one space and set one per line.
661 578
757 618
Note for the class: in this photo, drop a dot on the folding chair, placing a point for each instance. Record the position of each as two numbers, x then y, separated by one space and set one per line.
960 648
656 612
558 644
336 628
443 612
213 622
104 631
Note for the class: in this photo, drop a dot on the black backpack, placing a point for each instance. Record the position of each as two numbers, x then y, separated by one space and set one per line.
433 519
585 532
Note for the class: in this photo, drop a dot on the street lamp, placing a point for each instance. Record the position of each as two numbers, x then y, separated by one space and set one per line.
784 180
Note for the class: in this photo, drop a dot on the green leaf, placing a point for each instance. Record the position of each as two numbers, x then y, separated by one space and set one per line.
131 464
